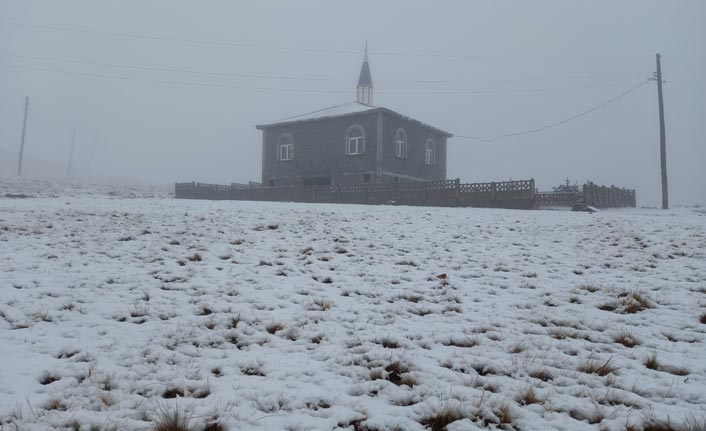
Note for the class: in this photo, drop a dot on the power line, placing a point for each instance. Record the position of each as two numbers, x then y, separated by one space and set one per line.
295 78
297 90
310 50
169 69
174 82
558 123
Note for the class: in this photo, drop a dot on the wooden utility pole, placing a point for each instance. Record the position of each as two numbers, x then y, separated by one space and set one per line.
662 136
71 153
22 142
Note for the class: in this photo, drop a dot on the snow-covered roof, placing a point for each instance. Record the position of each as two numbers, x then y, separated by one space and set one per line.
350 108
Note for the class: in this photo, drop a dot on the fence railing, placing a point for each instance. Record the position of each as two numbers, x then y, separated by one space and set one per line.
506 194
608 197
591 194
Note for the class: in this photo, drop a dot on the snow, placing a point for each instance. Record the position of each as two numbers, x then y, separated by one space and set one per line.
334 111
272 316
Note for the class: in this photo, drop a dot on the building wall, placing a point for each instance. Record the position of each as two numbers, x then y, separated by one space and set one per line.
320 152
413 166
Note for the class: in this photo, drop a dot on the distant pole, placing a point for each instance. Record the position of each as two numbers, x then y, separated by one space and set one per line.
90 154
662 136
71 153
22 142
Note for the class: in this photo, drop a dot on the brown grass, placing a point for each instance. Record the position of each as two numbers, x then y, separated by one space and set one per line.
626 338
592 366
444 416
651 362
196 257
274 327
527 396
173 420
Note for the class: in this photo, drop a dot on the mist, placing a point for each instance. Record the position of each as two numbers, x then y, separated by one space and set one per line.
167 91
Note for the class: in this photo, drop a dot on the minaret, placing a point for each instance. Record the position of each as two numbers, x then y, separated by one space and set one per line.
365 82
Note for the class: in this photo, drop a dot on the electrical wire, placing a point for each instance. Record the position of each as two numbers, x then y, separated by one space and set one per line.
295 90
294 78
558 123
164 81
310 50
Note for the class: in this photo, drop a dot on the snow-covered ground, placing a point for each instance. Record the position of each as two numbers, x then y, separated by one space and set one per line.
275 316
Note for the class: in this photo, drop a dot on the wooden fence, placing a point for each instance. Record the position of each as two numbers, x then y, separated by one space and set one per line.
591 194
508 194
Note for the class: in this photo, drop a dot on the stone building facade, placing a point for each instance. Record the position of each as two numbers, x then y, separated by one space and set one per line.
352 143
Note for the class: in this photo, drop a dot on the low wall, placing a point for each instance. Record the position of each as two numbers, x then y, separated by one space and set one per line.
507 194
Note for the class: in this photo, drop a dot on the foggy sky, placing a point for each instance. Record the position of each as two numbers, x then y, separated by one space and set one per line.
534 63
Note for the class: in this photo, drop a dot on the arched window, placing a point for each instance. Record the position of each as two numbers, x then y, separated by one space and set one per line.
429 152
285 147
401 144
355 141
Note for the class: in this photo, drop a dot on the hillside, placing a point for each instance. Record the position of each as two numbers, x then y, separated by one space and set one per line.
266 316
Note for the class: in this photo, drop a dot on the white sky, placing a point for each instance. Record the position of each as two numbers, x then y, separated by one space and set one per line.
533 63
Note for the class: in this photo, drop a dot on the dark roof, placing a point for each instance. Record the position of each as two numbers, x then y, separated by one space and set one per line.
365 79
344 110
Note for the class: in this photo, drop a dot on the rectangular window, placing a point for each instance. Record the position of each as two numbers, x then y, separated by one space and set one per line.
355 145
429 157
286 152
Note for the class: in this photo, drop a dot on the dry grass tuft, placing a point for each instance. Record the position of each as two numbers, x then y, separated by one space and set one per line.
274 327
527 396
592 366
626 338
628 303
651 362
196 257
173 420
321 304
444 416
541 374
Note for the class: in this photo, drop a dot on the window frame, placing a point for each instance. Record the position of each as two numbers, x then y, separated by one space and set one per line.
285 145
401 144
358 140
430 152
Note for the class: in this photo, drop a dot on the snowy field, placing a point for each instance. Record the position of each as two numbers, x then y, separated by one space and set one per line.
118 310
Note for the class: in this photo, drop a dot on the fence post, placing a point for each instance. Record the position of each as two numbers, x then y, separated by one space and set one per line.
457 186
338 188
532 188
313 194
424 192
493 190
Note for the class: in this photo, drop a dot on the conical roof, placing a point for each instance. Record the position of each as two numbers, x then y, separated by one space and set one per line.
365 79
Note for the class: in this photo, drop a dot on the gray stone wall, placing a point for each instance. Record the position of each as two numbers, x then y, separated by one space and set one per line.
413 166
320 152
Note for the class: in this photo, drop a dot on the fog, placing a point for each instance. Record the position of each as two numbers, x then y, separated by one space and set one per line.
163 91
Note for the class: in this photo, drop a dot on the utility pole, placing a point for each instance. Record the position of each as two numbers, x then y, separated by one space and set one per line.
71 153
22 142
662 136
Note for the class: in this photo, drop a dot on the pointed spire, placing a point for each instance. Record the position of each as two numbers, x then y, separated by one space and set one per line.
365 81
